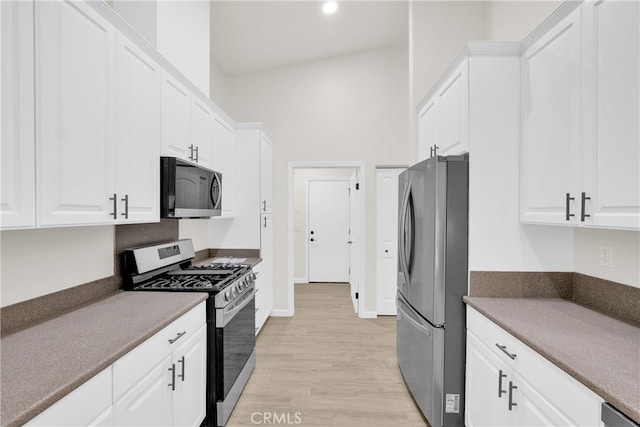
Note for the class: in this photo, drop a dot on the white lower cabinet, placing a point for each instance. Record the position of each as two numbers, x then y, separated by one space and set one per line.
88 405
149 401
509 384
161 382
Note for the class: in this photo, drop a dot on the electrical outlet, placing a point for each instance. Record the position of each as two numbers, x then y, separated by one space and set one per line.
606 256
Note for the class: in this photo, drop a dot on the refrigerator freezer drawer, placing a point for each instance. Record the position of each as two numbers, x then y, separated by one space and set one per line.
420 349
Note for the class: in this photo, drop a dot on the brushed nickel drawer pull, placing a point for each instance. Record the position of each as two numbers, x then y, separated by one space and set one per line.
180 335
500 377
504 350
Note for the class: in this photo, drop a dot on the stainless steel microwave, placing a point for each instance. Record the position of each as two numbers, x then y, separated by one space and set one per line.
188 190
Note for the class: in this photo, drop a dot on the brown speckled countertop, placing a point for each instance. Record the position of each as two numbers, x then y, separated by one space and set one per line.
41 364
599 351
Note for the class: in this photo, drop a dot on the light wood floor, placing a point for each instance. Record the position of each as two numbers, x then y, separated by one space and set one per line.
326 367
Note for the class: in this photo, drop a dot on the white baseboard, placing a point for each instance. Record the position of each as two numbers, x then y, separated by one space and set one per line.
282 313
301 280
368 315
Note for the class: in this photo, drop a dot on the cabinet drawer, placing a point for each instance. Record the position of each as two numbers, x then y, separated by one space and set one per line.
85 405
132 367
492 336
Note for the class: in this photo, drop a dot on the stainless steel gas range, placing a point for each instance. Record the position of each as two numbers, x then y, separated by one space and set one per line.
167 267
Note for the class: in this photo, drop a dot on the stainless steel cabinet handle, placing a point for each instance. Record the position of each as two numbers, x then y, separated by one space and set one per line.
181 375
583 210
178 336
265 222
126 206
173 377
115 205
511 402
197 156
264 205
500 377
191 149
567 209
504 350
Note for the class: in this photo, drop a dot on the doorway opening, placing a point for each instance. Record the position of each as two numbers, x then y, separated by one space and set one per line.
315 184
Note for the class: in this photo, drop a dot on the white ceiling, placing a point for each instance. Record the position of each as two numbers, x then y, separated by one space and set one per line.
254 35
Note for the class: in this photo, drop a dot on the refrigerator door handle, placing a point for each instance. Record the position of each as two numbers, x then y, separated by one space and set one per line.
402 252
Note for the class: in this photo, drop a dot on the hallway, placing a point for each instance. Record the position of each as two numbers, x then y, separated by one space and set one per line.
326 367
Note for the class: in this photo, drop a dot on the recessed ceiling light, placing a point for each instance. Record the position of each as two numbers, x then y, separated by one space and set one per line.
329 7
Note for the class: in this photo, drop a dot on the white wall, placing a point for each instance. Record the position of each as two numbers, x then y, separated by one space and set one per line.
439 31
349 108
514 20
43 261
626 254
184 38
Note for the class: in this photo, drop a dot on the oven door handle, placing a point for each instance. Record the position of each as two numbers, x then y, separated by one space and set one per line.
224 316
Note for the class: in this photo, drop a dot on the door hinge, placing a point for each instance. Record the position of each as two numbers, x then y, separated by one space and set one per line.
356 295
357 186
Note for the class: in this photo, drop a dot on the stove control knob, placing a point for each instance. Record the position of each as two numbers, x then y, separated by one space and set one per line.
227 295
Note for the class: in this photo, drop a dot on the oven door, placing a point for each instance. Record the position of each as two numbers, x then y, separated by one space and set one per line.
235 341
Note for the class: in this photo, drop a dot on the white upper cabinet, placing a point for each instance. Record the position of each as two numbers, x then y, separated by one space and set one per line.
175 125
202 132
580 153
550 124
137 134
453 113
224 161
443 118
611 150
17 196
266 174
74 115
427 135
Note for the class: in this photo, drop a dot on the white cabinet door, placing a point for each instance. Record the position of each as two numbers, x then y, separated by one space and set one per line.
137 134
224 161
89 404
17 196
611 152
74 114
487 387
550 161
202 132
149 402
453 113
175 120
266 174
264 298
427 129
189 398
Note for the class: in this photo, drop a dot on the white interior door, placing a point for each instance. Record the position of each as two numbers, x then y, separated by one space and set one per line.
386 240
328 230
353 239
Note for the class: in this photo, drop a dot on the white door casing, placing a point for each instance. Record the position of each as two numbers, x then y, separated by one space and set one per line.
386 239
289 308
354 194
328 230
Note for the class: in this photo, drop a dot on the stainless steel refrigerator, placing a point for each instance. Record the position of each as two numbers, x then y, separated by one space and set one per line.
432 279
